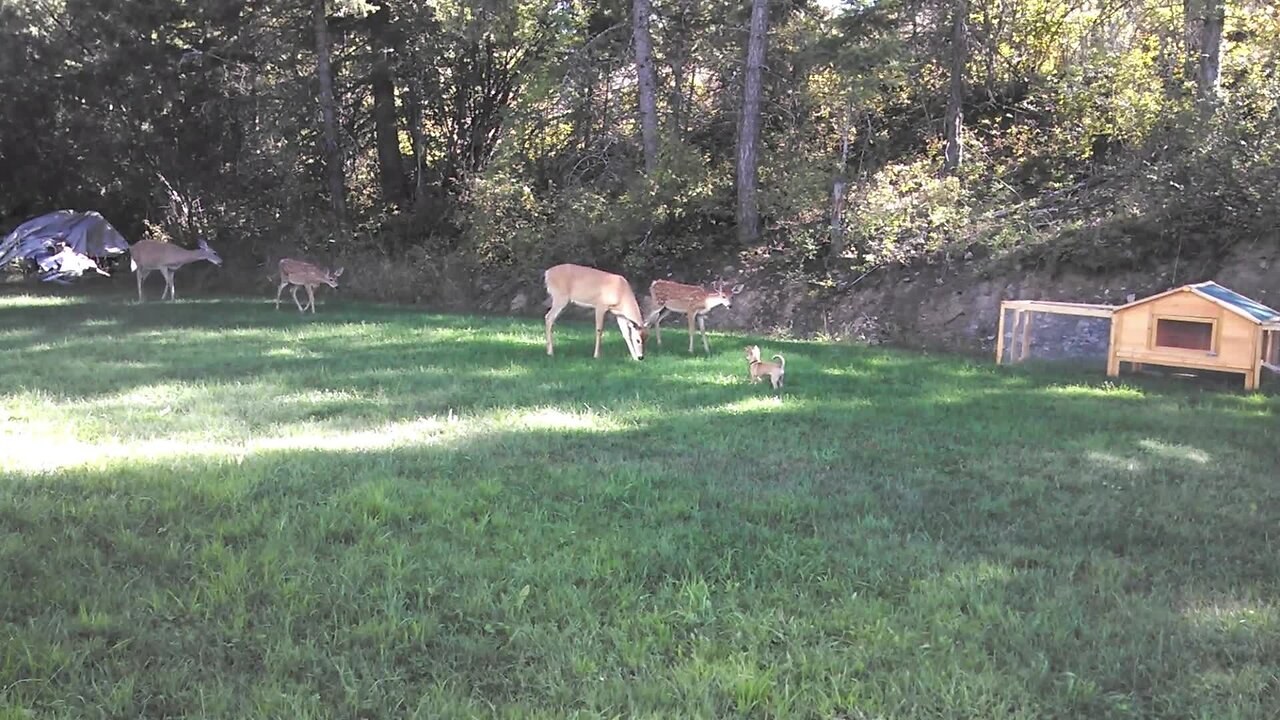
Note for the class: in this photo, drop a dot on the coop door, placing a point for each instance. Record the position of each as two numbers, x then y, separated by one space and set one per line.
1185 334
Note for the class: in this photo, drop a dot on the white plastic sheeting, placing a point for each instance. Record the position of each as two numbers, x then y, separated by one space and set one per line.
86 233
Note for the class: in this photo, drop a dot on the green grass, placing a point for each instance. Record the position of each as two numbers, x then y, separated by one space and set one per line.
212 509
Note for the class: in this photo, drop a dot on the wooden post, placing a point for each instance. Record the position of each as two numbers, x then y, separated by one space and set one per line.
1013 336
1000 337
1113 361
1254 378
1026 336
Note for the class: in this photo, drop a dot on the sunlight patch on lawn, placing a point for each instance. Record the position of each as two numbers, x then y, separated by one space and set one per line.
157 395
291 351
1115 462
511 371
553 418
100 323
1095 391
53 450
19 301
17 334
1229 612
764 403
323 395
44 446
1182 453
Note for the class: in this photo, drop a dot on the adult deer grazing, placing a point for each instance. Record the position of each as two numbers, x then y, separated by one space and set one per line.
606 292
692 300
299 273
148 255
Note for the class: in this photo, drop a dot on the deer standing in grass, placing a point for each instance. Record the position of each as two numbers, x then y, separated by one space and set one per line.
692 300
299 273
148 255
605 292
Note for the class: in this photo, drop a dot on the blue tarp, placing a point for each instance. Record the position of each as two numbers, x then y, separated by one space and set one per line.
1254 309
86 233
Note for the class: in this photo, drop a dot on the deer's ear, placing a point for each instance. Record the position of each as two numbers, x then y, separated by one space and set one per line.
338 272
737 289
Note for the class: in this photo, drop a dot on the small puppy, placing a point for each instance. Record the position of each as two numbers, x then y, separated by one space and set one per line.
757 368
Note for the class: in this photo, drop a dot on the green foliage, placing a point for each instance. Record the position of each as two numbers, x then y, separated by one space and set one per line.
217 509
516 123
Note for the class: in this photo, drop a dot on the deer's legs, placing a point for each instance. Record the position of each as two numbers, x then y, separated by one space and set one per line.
600 311
168 281
311 299
142 275
296 301
280 291
702 328
557 307
691 324
655 321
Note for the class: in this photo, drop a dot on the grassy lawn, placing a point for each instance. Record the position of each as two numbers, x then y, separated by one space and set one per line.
213 509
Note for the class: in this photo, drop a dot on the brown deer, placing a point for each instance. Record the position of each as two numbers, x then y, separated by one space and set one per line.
605 292
148 255
300 273
692 300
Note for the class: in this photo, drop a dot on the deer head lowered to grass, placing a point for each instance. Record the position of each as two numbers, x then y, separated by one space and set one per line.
603 291
148 255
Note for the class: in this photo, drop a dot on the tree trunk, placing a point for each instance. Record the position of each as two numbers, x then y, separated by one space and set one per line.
838 186
684 23
989 50
648 84
749 128
953 154
1209 58
413 120
386 131
679 49
329 113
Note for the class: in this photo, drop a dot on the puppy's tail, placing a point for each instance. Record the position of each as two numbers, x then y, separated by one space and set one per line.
782 362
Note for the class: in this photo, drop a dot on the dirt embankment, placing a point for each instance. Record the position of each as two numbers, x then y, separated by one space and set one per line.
956 306
951 306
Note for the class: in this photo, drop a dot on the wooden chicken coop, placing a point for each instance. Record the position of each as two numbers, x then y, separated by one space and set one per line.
1204 326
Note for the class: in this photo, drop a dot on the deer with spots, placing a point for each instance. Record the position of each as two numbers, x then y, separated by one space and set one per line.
692 300
300 273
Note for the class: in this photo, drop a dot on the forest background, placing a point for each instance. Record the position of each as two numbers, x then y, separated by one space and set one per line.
852 162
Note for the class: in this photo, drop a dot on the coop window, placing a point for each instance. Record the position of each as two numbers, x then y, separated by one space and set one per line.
1184 334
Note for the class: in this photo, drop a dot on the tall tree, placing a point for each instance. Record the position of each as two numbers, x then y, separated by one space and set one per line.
681 19
954 151
1209 55
647 81
749 126
839 185
329 114
382 83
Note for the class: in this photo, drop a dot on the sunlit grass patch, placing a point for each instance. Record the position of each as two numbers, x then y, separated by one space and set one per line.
22 301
